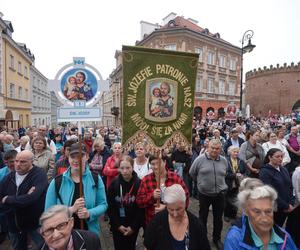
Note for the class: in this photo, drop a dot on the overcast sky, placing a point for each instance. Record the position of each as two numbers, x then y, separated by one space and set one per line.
57 30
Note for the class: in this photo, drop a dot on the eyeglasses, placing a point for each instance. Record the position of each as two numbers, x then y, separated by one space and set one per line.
60 227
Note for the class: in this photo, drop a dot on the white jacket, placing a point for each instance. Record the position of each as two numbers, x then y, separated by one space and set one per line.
268 145
296 184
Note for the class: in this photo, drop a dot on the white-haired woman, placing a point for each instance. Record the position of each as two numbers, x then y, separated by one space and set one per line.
236 171
174 227
256 228
23 142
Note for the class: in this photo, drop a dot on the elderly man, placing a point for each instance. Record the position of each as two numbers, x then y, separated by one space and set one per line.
57 230
22 193
209 170
234 140
8 143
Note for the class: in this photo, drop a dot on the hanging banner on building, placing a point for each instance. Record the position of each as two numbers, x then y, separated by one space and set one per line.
231 111
158 93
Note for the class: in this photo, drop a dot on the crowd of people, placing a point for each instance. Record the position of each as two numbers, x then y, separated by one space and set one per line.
247 171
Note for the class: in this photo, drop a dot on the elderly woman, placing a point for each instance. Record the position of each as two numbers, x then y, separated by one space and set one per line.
65 190
252 153
23 142
98 157
256 229
235 172
273 142
278 177
174 227
43 157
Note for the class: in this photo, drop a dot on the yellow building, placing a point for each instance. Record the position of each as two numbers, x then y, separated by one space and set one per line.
16 83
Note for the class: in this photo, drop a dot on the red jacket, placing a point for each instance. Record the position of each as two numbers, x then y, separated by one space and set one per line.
110 170
145 198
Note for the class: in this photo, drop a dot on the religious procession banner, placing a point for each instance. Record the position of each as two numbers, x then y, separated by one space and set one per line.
158 93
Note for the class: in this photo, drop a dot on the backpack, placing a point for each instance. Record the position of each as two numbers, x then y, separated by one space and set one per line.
58 180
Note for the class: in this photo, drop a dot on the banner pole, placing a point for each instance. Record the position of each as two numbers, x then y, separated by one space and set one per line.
159 174
80 169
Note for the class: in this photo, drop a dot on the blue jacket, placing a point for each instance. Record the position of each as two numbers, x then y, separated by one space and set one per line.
239 237
23 210
95 199
3 172
281 182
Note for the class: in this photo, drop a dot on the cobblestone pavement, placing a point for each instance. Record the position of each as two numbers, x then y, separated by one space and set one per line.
106 237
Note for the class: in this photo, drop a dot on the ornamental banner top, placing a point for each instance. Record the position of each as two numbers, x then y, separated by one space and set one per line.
77 86
158 96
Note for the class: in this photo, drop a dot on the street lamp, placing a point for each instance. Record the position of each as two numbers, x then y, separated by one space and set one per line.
248 48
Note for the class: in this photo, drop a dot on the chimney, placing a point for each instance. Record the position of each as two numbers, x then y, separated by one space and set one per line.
192 20
169 17
147 28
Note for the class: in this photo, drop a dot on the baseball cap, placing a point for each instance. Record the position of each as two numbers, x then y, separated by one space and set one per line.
74 149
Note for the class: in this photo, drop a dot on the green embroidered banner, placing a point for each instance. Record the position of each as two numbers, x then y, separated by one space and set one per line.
158 96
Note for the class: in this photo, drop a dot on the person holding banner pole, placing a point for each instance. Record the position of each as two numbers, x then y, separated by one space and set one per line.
151 192
65 190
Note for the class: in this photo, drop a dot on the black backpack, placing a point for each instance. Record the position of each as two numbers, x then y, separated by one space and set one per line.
58 180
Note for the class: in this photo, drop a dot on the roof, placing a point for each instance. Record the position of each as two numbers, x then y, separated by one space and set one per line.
9 25
181 22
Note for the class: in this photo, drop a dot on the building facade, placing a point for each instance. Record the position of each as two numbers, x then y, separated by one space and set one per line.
55 104
2 113
116 90
16 60
40 98
218 76
106 103
273 89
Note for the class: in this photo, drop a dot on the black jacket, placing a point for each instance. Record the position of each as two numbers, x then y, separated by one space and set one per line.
158 235
82 240
281 182
24 210
231 176
105 153
229 143
133 214
182 157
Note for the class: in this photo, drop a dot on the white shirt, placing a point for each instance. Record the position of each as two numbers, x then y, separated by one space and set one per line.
142 170
20 179
235 143
268 145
